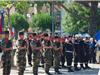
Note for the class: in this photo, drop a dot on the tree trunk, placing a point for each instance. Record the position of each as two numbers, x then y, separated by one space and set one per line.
93 18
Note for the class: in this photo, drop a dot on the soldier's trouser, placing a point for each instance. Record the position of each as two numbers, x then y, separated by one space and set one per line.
21 66
62 60
6 58
29 56
36 62
56 62
69 57
47 64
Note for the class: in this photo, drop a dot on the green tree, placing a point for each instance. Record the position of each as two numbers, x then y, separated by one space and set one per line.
41 21
18 21
22 7
74 22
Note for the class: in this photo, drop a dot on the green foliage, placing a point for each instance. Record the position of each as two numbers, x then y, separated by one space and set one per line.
22 7
17 21
3 4
41 21
77 20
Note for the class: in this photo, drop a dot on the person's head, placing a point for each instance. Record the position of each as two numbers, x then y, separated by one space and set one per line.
21 35
56 39
91 39
70 38
34 35
66 40
6 33
46 36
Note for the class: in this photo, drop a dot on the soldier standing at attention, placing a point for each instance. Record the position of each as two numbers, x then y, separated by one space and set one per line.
6 57
29 52
47 54
21 53
36 50
57 54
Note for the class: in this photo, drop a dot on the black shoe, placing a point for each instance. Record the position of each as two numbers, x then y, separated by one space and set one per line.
82 68
58 72
70 70
76 69
87 67
59 67
48 73
30 64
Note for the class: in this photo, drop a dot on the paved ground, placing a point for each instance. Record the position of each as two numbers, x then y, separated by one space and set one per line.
94 71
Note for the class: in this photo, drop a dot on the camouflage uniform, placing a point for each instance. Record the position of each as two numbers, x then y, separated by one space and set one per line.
57 55
6 57
36 55
21 57
47 56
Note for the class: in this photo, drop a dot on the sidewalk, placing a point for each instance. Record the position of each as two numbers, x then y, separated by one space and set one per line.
93 71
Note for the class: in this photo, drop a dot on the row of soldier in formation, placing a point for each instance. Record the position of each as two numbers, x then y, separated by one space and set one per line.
49 48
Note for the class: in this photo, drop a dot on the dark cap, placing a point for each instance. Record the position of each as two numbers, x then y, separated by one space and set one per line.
45 35
6 32
21 33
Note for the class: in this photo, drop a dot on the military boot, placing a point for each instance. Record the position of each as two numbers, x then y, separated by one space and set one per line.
57 71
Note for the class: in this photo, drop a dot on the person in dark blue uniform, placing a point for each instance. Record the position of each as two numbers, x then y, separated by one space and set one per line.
87 53
76 54
92 46
68 47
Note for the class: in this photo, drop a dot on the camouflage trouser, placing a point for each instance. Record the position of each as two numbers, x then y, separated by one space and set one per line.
47 60
6 57
36 61
57 57
21 62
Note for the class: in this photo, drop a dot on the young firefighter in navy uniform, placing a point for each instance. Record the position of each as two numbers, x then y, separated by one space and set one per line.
21 53
6 57
47 54
68 47
87 53
77 53
57 47
36 51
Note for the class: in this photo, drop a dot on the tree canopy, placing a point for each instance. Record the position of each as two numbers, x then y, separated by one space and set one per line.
41 21
72 22
18 21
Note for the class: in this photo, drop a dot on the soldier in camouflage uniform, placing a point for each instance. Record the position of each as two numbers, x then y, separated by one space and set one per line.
36 47
21 53
6 57
47 46
57 54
